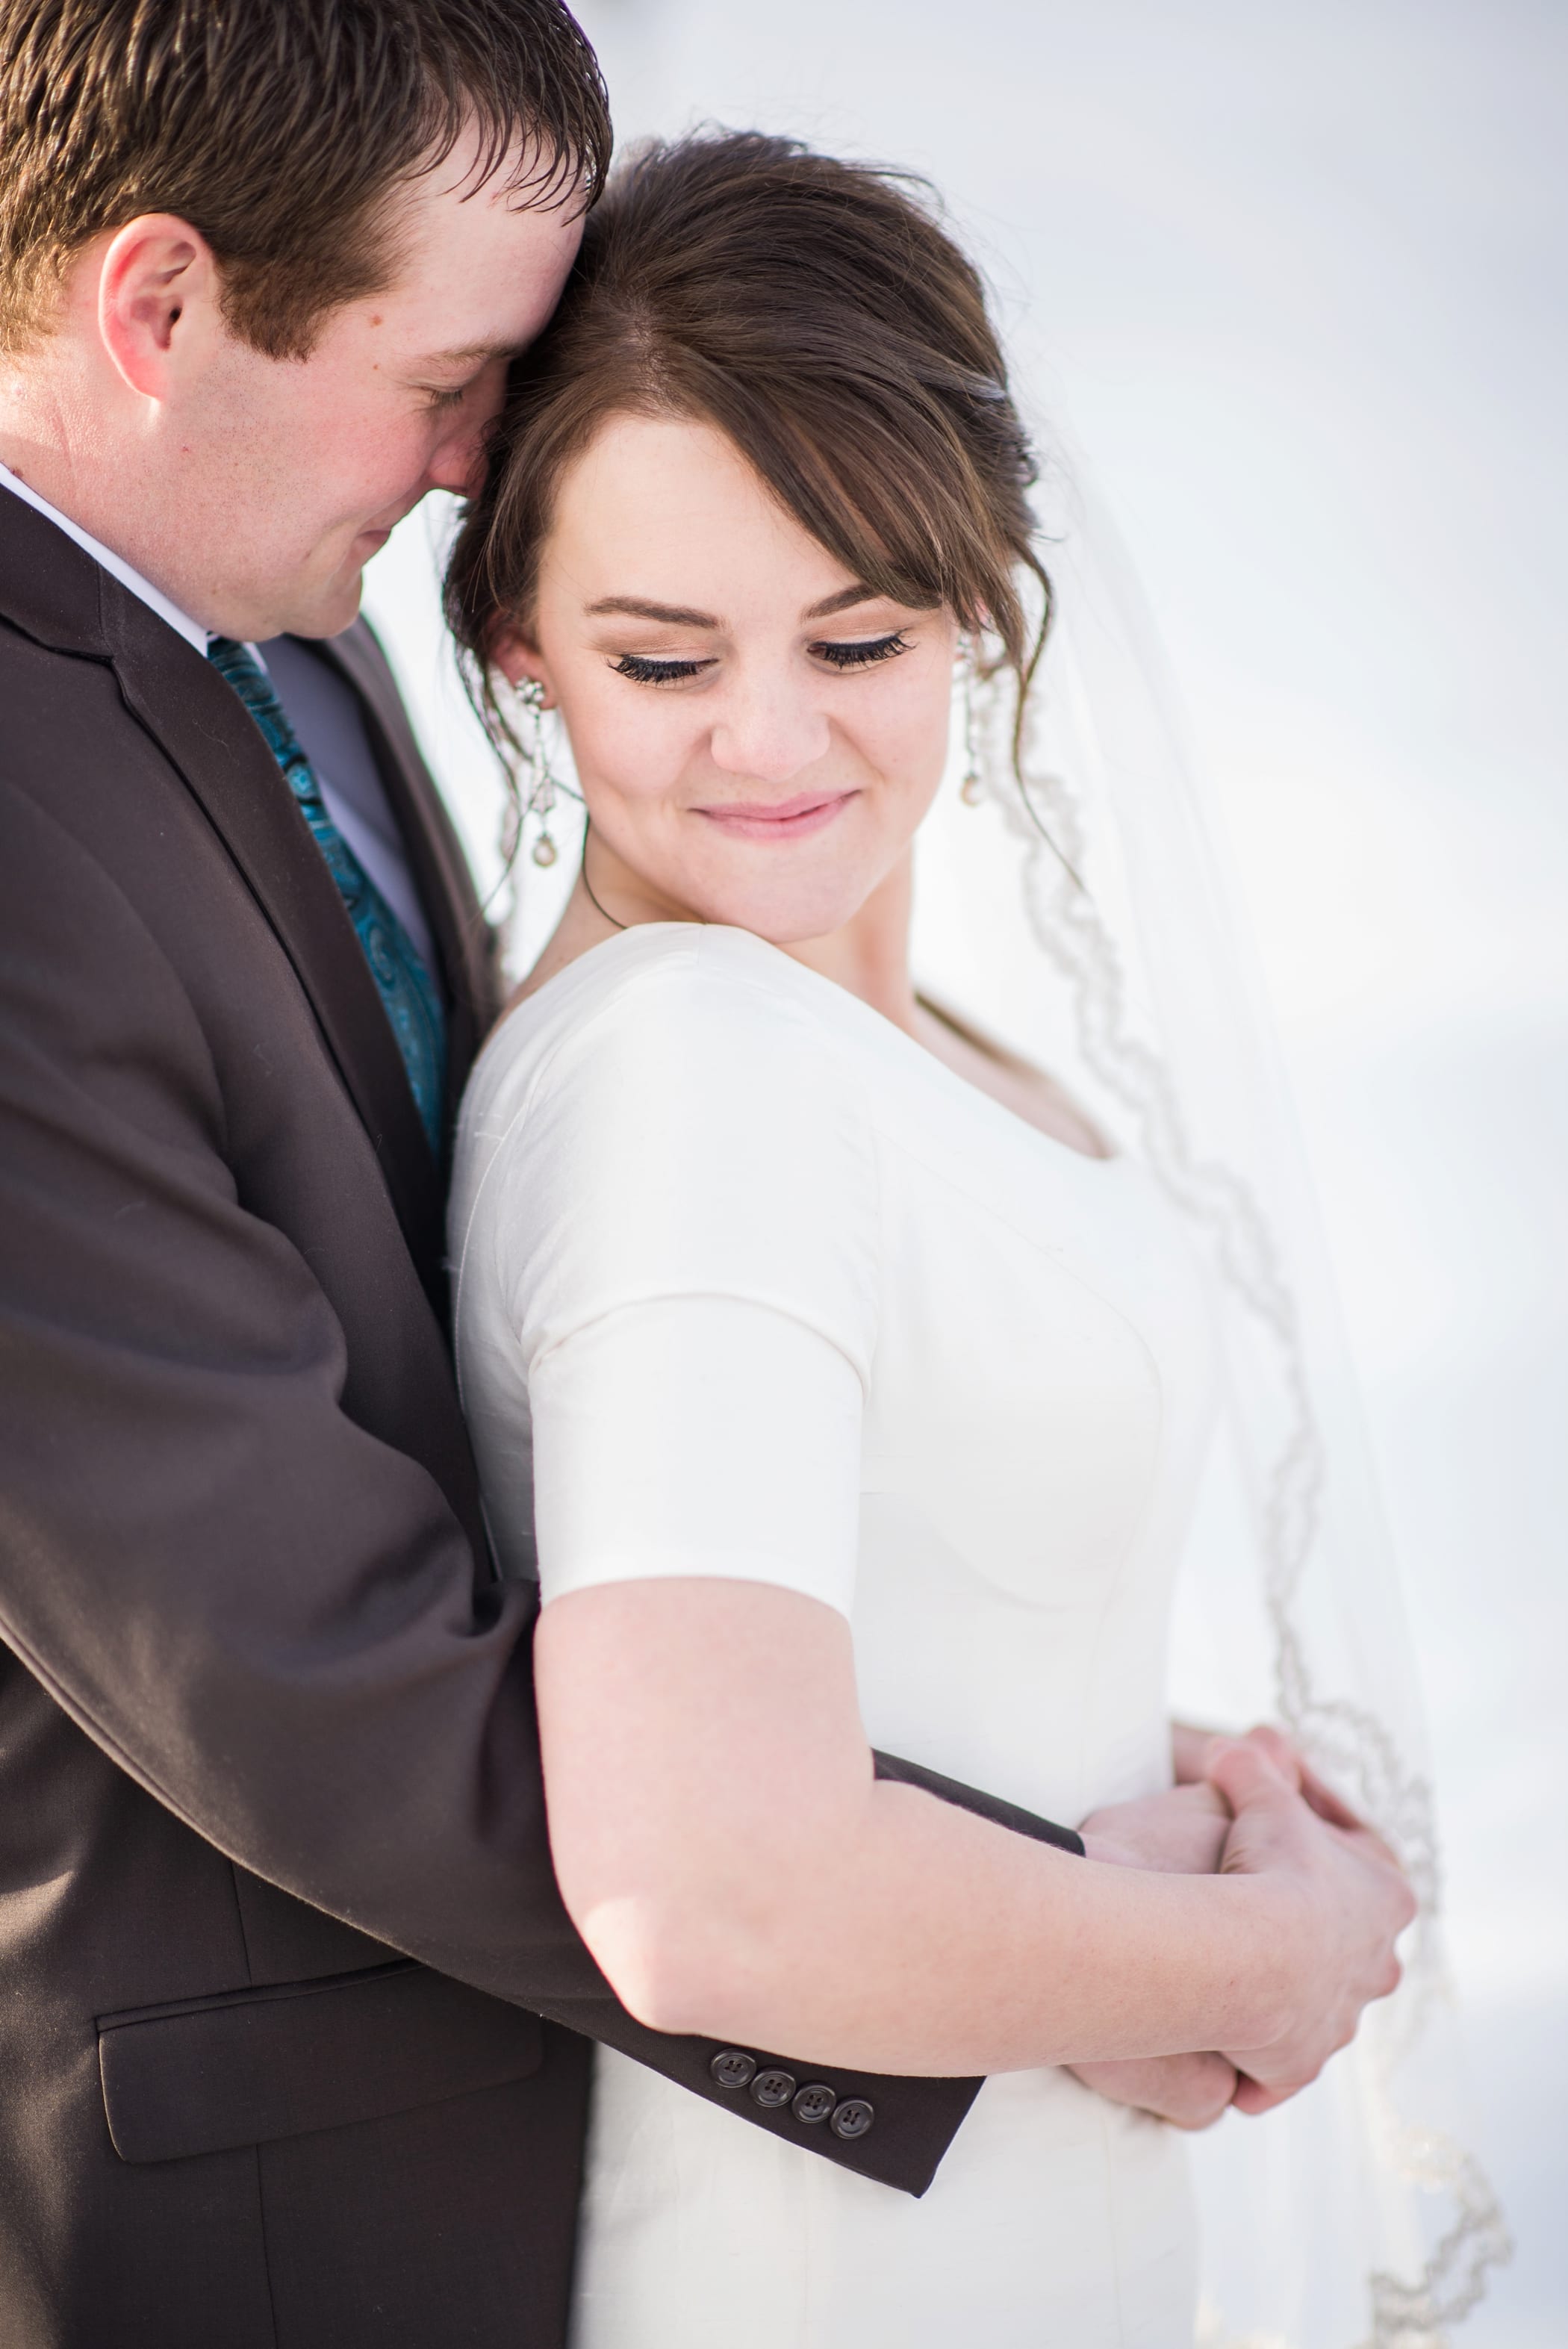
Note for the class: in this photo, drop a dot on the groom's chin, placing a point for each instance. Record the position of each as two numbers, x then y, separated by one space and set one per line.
324 609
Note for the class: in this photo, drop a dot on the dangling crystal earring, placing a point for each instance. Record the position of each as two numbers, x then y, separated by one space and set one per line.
542 787
972 789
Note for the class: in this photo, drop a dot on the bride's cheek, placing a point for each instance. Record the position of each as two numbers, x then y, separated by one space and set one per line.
640 748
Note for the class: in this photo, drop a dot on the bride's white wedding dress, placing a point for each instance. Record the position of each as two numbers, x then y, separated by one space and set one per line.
767 1292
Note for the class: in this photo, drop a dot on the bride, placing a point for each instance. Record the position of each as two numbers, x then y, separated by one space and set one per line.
838 1379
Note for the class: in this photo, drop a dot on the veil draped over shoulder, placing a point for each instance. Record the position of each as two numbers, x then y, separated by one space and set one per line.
1072 904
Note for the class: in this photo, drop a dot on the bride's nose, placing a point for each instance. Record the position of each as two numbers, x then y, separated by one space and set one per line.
768 731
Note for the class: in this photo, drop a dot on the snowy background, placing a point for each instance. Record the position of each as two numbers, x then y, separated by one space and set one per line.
1291 278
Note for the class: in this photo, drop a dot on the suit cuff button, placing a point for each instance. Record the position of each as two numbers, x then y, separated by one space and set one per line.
771 2089
852 2118
732 2068
814 2103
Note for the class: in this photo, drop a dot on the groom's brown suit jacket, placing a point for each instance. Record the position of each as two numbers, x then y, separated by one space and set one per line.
294 2028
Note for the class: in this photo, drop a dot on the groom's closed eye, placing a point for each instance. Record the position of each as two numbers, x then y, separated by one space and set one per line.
445 378
439 397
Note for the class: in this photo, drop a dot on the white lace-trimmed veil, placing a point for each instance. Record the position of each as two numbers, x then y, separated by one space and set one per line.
1352 2218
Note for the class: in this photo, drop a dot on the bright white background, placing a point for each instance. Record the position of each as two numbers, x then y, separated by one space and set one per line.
1291 278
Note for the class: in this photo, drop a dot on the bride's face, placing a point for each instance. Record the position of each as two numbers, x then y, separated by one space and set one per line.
757 735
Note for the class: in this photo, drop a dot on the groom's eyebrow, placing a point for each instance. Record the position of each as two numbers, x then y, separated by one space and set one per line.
470 354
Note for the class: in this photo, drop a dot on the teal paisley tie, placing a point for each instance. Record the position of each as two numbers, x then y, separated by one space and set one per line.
402 980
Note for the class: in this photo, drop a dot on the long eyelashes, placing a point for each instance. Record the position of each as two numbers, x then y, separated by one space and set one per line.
641 671
861 655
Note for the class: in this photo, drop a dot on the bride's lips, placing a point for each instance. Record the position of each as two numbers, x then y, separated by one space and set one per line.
793 819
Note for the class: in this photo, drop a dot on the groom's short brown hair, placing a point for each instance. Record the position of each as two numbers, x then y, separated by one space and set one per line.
277 128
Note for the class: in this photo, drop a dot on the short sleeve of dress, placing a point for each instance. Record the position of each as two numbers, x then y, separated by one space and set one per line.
681 1227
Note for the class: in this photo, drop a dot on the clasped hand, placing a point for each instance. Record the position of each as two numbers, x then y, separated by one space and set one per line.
1252 1806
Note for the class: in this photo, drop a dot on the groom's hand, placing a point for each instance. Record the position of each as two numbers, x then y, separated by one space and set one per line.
1190 2092
1181 1832
1344 1902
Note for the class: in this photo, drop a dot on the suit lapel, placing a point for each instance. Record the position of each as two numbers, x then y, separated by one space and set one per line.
54 591
203 728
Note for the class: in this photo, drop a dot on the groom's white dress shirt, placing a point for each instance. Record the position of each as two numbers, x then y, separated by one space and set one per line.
325 715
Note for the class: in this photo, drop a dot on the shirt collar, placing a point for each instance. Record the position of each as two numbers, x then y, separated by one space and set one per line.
116 565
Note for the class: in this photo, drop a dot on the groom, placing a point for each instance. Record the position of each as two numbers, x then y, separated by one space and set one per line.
277 1922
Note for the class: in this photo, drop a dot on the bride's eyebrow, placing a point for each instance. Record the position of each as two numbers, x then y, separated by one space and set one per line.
844 601
677 615
634 608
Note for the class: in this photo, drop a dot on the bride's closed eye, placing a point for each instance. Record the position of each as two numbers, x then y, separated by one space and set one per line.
862 654
642 670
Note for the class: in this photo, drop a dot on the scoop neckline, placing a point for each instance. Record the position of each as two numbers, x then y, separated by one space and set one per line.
928 1060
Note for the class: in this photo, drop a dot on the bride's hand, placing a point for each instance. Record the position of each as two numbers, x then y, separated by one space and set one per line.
1346 1902
1190 1747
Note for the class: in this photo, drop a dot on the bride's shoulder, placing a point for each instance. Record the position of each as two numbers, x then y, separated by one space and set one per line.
664 1087
666 1116
674 1013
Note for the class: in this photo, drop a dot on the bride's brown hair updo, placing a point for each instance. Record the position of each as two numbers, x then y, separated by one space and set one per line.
814 311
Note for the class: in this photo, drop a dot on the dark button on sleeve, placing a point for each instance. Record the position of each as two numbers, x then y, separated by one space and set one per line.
773 2088
732 2068
814 2103
852 2118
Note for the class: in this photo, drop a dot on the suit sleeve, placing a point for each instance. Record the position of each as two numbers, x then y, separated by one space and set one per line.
264 1615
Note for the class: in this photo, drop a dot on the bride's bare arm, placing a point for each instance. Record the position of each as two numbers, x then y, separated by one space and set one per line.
729 1857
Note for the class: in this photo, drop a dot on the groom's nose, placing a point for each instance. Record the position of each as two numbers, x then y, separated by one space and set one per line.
768 731
459 461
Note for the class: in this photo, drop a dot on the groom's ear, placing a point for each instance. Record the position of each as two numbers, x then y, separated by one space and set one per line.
159 302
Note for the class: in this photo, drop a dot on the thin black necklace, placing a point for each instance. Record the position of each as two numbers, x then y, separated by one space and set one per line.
592 900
